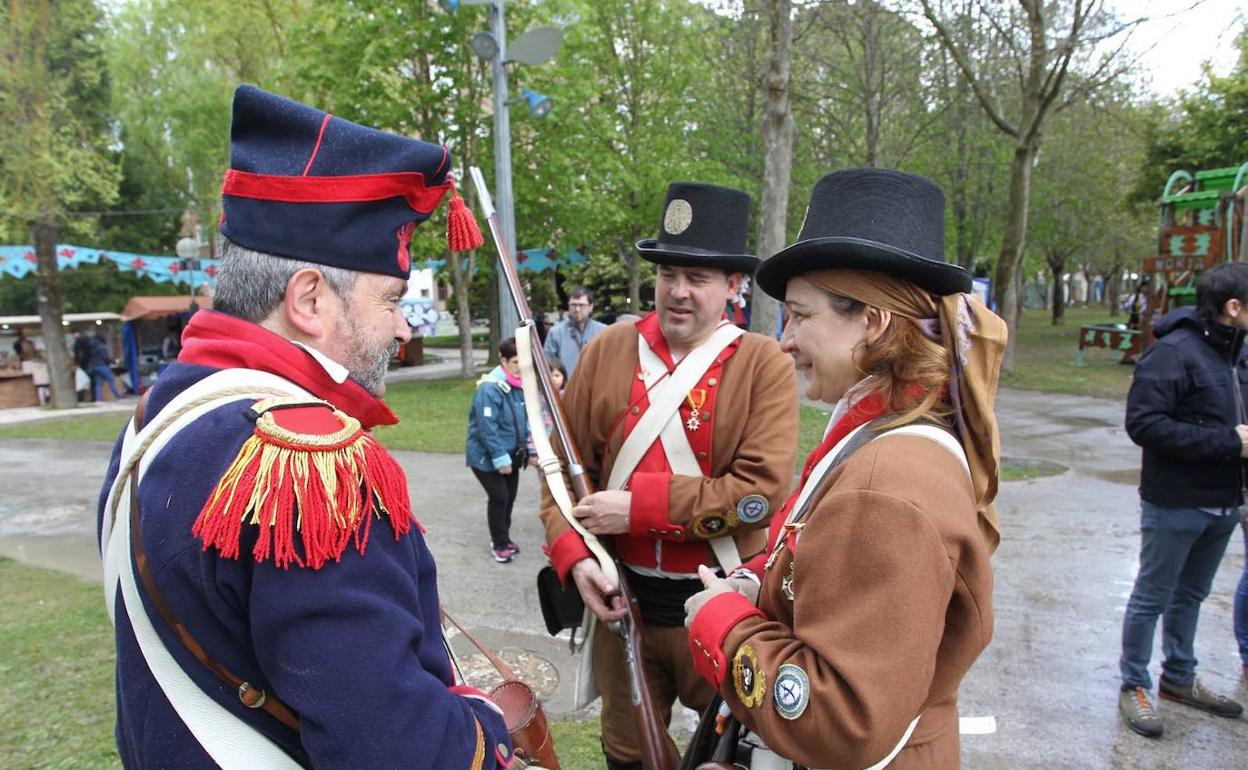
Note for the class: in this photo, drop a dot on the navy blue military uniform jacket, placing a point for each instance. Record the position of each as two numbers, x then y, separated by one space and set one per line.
355 647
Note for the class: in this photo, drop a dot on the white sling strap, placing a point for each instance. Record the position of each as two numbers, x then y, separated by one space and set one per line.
673 437
547 461
231 742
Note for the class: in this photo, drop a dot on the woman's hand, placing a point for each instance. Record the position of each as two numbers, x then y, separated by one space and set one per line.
714 586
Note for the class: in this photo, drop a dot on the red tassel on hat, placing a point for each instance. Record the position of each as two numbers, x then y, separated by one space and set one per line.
462 233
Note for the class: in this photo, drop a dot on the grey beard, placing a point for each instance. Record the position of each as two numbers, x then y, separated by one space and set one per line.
368 364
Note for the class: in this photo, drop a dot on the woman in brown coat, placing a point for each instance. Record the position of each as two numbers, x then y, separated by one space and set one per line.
842 645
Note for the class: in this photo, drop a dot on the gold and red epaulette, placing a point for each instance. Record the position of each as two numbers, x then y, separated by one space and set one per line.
307 468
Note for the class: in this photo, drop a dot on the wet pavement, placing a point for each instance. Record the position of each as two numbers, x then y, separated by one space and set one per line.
1064 571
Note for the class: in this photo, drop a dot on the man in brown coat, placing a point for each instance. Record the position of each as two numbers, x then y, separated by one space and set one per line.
696 481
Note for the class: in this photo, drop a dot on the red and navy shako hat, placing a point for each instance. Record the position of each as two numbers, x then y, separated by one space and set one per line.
306 185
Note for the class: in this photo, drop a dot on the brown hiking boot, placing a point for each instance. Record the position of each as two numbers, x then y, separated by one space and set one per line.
1137 711
1198 696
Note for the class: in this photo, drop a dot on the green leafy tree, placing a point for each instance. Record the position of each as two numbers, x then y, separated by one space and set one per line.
1206 128
53 150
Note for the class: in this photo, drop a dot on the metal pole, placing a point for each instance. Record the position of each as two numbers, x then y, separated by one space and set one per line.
507 316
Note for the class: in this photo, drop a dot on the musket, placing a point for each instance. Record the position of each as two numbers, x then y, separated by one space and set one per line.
658 752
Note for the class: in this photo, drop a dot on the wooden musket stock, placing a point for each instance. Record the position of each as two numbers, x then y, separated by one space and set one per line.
658 752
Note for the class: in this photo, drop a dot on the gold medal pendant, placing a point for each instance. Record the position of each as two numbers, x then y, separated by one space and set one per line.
786 585
693 423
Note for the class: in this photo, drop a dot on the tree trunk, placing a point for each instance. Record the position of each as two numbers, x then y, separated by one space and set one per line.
777 158
48 295
1113 288
634 280
463 313
1011 255
873 96
1057 265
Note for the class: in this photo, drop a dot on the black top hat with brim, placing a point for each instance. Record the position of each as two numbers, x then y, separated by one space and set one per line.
704 225
870 219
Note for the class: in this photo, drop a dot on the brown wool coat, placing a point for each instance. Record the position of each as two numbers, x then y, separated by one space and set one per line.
753 444
892 604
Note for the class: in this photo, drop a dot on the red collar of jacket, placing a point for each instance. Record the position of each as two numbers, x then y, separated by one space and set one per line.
648 327
221 341
862 412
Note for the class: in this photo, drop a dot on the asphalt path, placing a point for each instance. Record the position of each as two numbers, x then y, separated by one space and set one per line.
1063 573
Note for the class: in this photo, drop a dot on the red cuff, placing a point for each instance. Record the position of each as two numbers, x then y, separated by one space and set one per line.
709 629
566 551
647 512
463 689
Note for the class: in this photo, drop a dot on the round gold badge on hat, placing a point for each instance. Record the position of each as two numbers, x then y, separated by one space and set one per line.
748 677
678 217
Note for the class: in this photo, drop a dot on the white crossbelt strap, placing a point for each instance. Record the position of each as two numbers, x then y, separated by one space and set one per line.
665 393
666 400
231 742
674 438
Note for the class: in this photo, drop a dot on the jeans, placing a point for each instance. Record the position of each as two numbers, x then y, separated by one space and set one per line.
1180 550
501 491
1241 608
99 376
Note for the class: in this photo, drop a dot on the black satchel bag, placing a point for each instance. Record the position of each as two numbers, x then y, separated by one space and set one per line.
562 606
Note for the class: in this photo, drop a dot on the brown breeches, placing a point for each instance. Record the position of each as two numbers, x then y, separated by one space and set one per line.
669 671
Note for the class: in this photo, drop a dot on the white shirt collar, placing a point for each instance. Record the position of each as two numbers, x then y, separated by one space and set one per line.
336 371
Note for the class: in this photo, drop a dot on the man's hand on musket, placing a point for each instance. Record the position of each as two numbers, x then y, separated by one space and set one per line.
598 593
604 513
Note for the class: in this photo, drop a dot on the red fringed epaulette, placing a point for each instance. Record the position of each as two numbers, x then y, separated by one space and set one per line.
307 468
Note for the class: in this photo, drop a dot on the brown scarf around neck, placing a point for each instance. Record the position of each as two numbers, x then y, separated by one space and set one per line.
975 338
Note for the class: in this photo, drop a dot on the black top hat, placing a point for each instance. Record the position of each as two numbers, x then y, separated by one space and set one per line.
870 219
704 225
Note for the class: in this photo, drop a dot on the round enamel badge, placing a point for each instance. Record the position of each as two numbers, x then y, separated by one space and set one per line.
747 677
792 691
678 217
752 508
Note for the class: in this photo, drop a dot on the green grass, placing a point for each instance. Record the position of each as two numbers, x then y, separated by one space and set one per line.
1045 357
433 415
480 341
90 427
56 673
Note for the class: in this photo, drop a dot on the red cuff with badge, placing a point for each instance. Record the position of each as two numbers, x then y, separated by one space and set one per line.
709 629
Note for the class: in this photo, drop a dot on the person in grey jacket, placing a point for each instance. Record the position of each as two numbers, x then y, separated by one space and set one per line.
1186 411
568 338
496 450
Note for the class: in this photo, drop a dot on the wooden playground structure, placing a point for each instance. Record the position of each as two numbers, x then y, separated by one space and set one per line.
1203 222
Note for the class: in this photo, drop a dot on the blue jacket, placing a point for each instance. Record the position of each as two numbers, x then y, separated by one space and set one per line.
497 425
1182 409
355 648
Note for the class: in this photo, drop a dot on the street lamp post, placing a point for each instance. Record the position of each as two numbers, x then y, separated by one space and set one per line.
532 47
508 317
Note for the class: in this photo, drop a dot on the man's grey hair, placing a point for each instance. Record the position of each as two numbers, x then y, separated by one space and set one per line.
252 284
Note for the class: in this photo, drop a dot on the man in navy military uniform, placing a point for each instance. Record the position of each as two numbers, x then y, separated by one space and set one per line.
274 598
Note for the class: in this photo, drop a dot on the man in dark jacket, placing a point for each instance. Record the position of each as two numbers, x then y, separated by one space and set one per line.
1186 409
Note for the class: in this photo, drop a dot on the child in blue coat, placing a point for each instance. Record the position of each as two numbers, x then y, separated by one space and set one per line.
498 437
